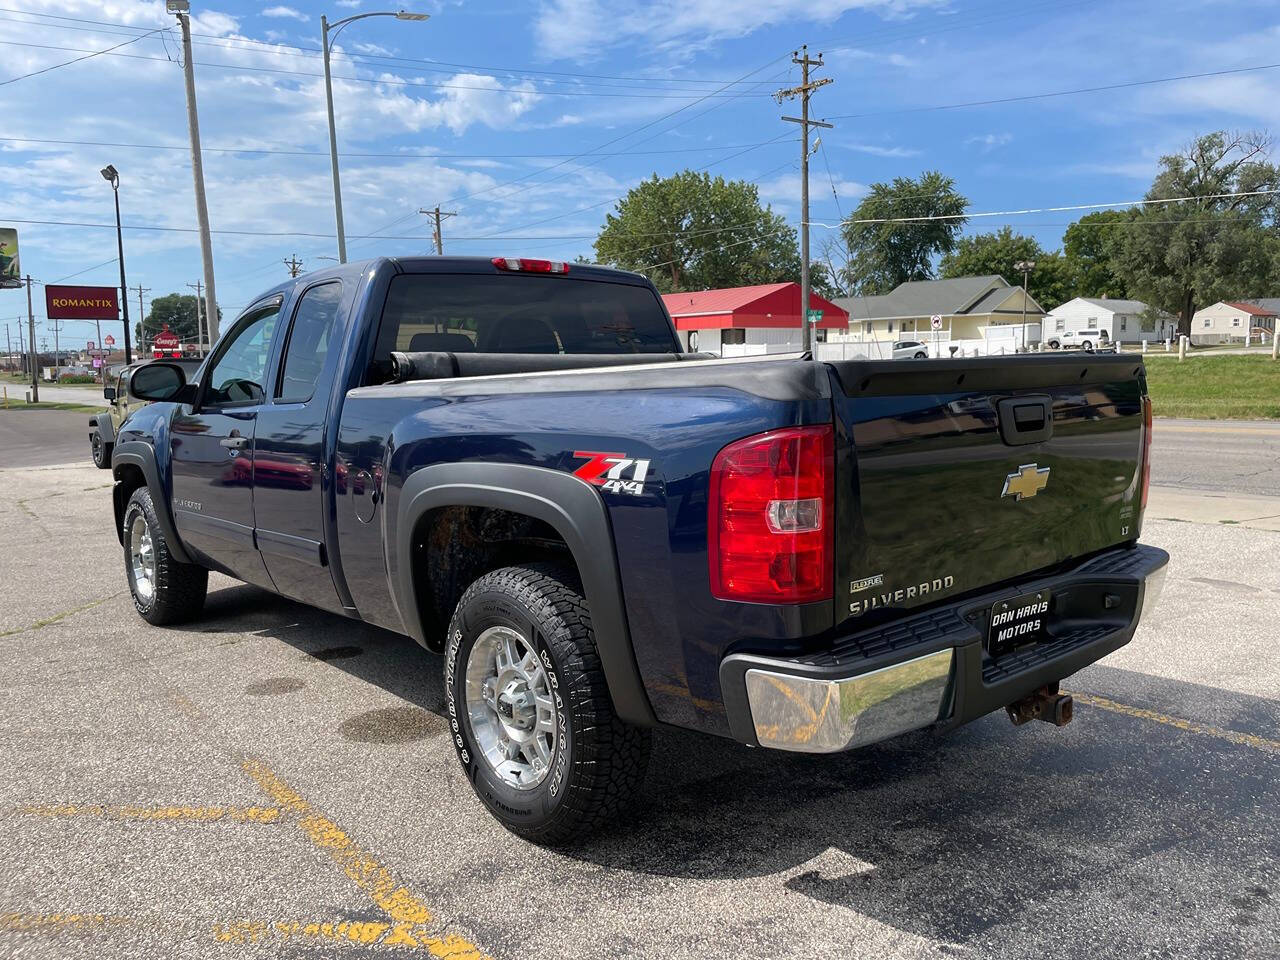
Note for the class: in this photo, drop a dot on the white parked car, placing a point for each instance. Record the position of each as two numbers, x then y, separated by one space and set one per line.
1086 339
909 350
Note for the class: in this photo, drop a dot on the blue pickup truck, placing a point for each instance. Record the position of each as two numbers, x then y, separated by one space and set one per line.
512 462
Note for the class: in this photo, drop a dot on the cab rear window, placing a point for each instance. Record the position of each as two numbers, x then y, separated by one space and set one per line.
463 313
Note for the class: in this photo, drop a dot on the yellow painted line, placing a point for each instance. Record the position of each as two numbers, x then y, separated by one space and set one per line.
198 814
52 922
409 915
1189 726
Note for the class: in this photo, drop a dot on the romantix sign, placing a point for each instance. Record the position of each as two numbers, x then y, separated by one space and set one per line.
81 303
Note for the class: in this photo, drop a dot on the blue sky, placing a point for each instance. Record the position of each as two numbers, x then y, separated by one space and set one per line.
482 109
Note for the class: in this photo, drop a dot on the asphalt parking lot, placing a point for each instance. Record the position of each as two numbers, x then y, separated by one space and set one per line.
272 780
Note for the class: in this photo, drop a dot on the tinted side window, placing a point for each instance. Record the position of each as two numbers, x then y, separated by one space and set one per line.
240 372
309 339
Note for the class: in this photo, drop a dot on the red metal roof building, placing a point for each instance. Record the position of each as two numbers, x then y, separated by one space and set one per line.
769 305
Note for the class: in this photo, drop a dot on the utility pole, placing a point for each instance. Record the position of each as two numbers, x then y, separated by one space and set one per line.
293 264
142 324
1026 266
35 357
182 8
438 215
804 91
57 350
199 329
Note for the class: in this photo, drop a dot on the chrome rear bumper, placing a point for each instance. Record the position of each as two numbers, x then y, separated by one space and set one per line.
932 667
823 716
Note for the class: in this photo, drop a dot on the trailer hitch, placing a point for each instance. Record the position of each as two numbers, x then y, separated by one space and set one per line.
1045 704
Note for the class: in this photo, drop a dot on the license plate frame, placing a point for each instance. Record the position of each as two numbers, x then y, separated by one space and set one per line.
1017 622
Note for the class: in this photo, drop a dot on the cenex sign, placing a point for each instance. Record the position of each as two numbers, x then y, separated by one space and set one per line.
81 303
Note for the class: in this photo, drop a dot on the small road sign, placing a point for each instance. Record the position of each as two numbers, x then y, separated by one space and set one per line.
935 322
815 316
109 340
90 346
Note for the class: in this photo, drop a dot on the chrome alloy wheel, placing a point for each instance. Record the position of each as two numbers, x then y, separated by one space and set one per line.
511 707
142 558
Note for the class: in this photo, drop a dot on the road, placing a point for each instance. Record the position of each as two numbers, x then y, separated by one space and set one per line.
88 394
273 780
35 438
1234 456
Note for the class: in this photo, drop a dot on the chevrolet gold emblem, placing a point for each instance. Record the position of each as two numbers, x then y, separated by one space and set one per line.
1027 482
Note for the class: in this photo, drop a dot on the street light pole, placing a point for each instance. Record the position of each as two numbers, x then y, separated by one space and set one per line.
112 176
327 29
1026 266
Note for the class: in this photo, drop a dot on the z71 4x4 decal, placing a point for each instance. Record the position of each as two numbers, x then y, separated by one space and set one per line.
606 470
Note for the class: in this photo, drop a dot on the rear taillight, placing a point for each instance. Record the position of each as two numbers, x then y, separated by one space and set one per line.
1146 450
525 265
770 517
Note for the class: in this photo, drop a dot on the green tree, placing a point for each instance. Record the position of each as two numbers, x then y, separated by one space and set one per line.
178 311
985 253
1091 247
1218 243
883 255
673 230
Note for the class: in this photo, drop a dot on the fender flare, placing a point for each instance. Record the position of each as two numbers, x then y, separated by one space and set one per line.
102 423
141 454
573 509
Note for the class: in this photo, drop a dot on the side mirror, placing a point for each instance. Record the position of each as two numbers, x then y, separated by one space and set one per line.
109 393
159 382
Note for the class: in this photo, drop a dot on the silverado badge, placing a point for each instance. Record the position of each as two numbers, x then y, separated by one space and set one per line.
1029 480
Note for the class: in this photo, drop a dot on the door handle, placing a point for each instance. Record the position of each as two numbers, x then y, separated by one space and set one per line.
234 443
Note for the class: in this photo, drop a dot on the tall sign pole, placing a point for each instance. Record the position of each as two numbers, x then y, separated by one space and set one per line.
35 357
182 9
804 91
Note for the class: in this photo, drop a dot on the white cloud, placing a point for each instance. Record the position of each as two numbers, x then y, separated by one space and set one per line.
349 4
784 192
875 150
284 12
986 142
373 49
585 29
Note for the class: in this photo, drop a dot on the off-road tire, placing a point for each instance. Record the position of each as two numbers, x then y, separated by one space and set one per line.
598 762
100 449
180 588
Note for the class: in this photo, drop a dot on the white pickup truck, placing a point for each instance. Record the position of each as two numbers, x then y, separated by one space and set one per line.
1085 339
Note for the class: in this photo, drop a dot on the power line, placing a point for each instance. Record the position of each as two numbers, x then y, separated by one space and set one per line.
1060 209
1058 93
389 155
377 81
89 54
236 43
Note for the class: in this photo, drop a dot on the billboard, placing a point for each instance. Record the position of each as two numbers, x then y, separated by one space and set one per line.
81 303
10 271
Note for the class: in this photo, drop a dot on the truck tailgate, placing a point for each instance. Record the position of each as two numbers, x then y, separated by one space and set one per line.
954 475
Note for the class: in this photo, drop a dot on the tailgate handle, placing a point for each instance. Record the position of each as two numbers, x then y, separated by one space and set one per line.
1025 419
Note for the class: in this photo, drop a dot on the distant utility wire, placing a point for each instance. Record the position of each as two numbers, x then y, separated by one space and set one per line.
380 81
387 156
1029 210
1057 93
88 55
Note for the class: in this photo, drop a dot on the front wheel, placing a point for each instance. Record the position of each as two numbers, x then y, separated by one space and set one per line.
164 590
101 450
1087 347
1054 345
529 708
921 355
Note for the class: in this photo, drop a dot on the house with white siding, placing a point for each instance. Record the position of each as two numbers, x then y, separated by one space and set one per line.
1126 321
1233 322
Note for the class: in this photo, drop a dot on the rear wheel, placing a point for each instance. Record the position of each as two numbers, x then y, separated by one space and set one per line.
164 590
531 717
101 450
921 355
1087 346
